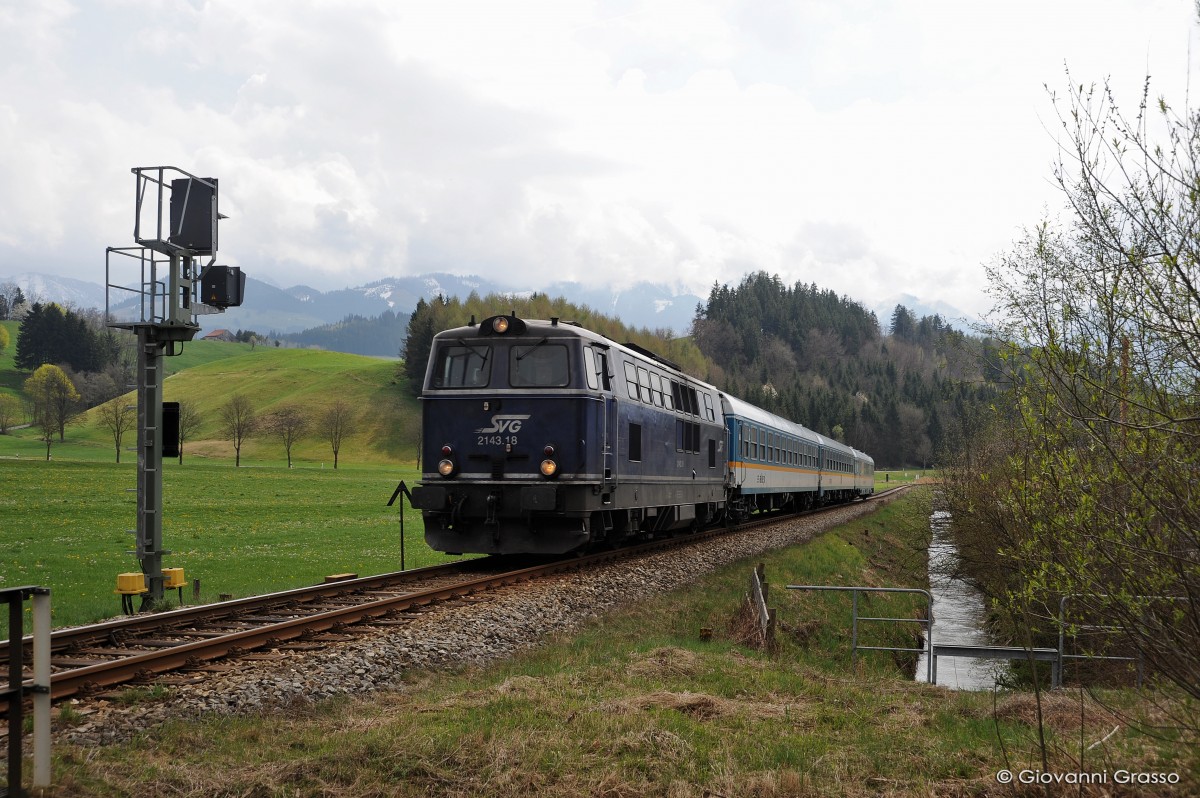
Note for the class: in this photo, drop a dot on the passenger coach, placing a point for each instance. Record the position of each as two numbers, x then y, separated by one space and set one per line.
778 464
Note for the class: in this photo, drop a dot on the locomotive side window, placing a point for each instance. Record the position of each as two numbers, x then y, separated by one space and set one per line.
656 389
463 367
589 367
595 364
602 370
643 384
635 441
687 436
539 365
631 386
708 408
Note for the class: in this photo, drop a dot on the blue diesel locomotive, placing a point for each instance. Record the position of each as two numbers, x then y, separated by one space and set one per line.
545 437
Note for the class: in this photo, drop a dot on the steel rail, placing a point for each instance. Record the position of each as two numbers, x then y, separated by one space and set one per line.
145 664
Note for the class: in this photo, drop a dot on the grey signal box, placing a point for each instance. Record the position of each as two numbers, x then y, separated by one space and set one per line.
194 215
222 286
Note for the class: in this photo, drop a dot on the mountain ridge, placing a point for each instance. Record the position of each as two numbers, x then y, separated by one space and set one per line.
270 308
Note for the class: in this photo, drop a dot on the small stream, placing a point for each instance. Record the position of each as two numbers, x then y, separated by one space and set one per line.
959 612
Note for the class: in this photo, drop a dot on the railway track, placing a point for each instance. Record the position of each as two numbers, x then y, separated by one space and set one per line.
90 659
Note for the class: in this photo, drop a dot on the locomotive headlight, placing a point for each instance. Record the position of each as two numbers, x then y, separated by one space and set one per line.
446 466
500 324
549 468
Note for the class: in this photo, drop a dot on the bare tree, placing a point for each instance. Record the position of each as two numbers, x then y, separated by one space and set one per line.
118 418
189 423
239 421
1086 487
288 424
335 424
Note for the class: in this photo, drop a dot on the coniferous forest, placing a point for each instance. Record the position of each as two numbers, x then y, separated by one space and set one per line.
822 360
799 351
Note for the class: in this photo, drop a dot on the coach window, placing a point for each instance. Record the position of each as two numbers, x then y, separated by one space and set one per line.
635 441
463 367
631 386
539 365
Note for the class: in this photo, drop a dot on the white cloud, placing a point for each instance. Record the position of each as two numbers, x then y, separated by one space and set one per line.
861 145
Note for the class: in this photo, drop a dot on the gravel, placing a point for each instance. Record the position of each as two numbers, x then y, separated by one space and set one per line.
472 631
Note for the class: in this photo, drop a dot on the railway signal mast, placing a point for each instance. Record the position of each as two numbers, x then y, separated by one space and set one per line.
156 290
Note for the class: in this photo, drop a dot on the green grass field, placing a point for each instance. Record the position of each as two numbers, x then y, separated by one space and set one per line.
386 431
636 703
240 531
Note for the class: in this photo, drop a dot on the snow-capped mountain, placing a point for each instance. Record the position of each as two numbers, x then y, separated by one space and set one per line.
268 308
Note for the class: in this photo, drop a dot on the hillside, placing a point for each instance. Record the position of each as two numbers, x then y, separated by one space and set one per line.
805 353
271 378
10 379
822 359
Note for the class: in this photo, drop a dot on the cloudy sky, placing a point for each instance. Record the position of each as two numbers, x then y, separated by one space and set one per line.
872 146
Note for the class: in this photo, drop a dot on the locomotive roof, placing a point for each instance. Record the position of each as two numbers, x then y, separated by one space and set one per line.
573 329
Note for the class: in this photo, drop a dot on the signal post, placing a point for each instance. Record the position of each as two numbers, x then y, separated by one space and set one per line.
156 290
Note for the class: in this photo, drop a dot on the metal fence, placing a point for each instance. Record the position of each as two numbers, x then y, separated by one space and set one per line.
927 621
17 689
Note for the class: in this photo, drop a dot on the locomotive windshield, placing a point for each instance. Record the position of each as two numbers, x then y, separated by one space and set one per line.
462 366
539 365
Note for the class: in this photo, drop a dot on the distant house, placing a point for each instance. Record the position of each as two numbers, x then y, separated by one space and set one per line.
220 335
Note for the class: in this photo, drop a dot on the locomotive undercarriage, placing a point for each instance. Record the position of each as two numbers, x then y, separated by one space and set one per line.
547 519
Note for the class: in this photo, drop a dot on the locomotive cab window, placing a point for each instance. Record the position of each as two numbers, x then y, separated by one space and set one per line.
539 365
595 364
463 367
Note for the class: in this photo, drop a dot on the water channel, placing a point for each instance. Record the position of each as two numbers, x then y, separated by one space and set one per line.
959 612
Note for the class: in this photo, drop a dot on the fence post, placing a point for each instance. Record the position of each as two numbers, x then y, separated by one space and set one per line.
41 687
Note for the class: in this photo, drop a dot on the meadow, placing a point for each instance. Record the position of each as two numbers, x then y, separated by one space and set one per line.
241 531
639 702
66 523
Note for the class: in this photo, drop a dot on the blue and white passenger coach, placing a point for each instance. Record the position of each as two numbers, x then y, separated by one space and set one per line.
544 437
776 464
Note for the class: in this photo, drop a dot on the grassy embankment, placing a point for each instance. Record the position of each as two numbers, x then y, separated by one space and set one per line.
637 705
242 531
